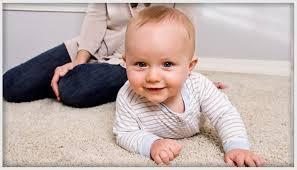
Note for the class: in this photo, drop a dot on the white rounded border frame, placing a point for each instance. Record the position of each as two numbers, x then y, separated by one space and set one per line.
19 5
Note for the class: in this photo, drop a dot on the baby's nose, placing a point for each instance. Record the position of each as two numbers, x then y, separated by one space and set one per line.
153 75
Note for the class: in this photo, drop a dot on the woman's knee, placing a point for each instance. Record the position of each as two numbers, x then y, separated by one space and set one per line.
87 85
66 90
77 94
10 88
71 90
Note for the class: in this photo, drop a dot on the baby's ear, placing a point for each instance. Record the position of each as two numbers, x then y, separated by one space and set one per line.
193 63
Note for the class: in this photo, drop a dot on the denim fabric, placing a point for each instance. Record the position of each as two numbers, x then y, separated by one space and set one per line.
89 85
86 85
31 80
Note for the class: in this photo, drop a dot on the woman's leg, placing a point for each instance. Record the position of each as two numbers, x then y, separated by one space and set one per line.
90 85
31 80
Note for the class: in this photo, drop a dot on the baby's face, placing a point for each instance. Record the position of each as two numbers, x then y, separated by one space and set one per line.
158 61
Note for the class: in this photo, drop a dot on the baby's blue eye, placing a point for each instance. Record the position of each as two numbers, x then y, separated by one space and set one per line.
168 64
140 64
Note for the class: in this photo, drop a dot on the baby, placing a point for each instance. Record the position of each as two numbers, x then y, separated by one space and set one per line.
164 100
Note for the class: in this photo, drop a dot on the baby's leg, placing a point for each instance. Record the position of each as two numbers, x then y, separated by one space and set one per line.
31 80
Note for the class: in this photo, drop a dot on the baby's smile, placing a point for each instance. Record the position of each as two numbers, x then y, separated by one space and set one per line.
154 89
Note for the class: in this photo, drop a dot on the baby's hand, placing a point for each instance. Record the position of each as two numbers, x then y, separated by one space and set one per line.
241 157
165 150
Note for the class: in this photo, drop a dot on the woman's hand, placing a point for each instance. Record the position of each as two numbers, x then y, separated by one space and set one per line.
60 72
82 57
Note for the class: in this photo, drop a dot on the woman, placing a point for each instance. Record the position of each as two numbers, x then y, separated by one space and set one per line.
85 71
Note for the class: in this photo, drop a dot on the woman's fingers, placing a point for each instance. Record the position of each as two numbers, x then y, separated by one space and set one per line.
54 83
60 72
63 71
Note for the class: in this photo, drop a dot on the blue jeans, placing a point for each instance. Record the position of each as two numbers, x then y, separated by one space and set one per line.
86 85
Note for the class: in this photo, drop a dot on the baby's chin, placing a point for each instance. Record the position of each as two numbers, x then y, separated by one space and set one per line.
155 100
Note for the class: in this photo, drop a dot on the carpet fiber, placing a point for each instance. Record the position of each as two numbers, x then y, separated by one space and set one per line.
47 133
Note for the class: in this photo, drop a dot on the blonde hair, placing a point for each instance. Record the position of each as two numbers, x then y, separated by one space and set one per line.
159 14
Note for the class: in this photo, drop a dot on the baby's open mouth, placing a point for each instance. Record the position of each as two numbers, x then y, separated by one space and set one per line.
154 89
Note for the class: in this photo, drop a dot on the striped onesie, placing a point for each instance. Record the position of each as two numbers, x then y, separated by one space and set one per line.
139 122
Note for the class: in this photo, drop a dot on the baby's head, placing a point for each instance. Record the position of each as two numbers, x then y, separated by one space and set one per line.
159 52
162 16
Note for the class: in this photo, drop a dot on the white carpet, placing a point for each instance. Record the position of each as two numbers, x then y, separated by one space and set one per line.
47 133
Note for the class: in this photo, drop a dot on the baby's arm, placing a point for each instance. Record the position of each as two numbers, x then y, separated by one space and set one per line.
131 136
128 133
227 121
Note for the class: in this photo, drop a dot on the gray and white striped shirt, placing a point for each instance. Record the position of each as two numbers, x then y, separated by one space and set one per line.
138 122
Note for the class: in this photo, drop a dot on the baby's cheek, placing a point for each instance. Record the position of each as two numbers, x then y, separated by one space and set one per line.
133 76
135 81
176 80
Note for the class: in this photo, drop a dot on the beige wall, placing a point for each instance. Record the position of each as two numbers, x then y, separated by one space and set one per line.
239 31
